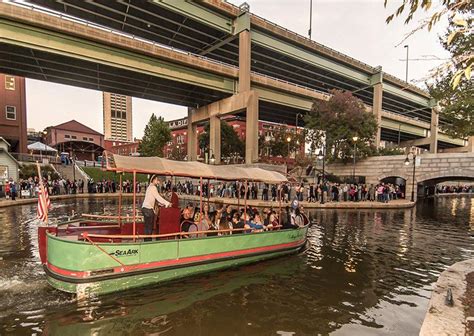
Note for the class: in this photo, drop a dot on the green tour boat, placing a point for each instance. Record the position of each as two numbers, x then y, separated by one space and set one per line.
104 254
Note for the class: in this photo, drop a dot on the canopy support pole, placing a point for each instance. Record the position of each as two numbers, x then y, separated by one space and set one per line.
245 201
120 202
208 191
134 203
237 186
279 205
200 202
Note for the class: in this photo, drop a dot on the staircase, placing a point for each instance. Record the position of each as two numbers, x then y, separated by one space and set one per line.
71 172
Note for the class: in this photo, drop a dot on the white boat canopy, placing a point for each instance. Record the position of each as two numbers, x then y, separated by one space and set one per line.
41 147
165 167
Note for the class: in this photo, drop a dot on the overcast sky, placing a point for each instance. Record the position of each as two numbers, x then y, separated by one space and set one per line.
354 27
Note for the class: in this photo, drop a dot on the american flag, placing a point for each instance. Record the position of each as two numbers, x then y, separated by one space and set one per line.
44 204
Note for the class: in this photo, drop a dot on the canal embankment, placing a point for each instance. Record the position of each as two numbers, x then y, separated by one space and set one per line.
394 204
452 314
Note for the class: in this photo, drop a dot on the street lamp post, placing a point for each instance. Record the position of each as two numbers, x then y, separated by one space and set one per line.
298 115
212 158
288 140
322 156
355 138
407 162
406 67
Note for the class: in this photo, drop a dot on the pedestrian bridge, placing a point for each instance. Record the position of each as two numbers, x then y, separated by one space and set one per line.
430 169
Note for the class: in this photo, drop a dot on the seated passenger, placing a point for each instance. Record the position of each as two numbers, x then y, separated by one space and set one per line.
225 224
256 223
201 224
187 225
190 211
286 220
237 223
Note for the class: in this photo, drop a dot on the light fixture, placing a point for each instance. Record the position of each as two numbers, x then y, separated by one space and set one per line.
288 139
355 138
407 161
213 159
320 154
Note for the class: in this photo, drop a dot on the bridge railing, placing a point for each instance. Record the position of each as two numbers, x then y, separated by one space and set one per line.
36 158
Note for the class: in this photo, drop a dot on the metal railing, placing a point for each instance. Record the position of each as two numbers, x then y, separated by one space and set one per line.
36 158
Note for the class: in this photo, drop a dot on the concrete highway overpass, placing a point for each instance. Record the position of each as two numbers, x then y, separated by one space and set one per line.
212 57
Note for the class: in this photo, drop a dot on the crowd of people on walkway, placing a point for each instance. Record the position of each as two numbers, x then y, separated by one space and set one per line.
308 192
454 189
327 192
30 188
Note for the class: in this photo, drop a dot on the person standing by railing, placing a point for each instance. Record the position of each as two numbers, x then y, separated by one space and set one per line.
151 196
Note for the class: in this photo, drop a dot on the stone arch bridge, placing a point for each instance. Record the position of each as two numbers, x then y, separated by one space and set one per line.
432 169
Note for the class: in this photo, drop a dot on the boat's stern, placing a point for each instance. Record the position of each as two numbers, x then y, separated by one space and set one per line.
43 241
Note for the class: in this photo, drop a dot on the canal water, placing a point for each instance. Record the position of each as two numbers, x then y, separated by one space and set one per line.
368 272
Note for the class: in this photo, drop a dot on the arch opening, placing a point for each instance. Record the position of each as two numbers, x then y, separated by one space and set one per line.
398 183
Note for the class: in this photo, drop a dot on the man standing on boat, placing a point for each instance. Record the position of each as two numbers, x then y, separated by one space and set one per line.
148 208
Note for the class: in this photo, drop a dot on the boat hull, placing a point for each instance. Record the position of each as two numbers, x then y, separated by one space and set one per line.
90 269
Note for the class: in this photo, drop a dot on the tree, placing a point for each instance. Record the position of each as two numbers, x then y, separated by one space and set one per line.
451 83
230 141
457 106
177 153
277 143
336 121
157 134
460 18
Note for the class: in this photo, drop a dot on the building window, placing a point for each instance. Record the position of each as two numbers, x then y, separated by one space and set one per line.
90 139
67 136
10 112
73 137
84 138
10 83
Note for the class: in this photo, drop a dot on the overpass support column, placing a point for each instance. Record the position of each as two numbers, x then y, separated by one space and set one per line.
470 144
215 138
377 104
244 60
192 137
251 131
434 130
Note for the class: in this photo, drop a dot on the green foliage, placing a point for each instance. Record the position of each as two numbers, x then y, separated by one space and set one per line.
30 170
177 153
98 174
336 122
230 141
459 14
157 134
277 145
457 106
388 151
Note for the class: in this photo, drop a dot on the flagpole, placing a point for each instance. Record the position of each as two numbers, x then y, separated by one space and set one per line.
43 195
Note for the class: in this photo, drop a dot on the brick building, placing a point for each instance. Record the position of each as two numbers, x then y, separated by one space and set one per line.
76 139
13 112
121 147
179 128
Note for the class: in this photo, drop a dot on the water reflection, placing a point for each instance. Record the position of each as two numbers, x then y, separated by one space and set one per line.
367 272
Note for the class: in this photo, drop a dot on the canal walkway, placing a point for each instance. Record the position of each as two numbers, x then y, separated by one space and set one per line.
456 317
394 204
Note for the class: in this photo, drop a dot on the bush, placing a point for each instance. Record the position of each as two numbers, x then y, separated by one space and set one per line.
30 170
